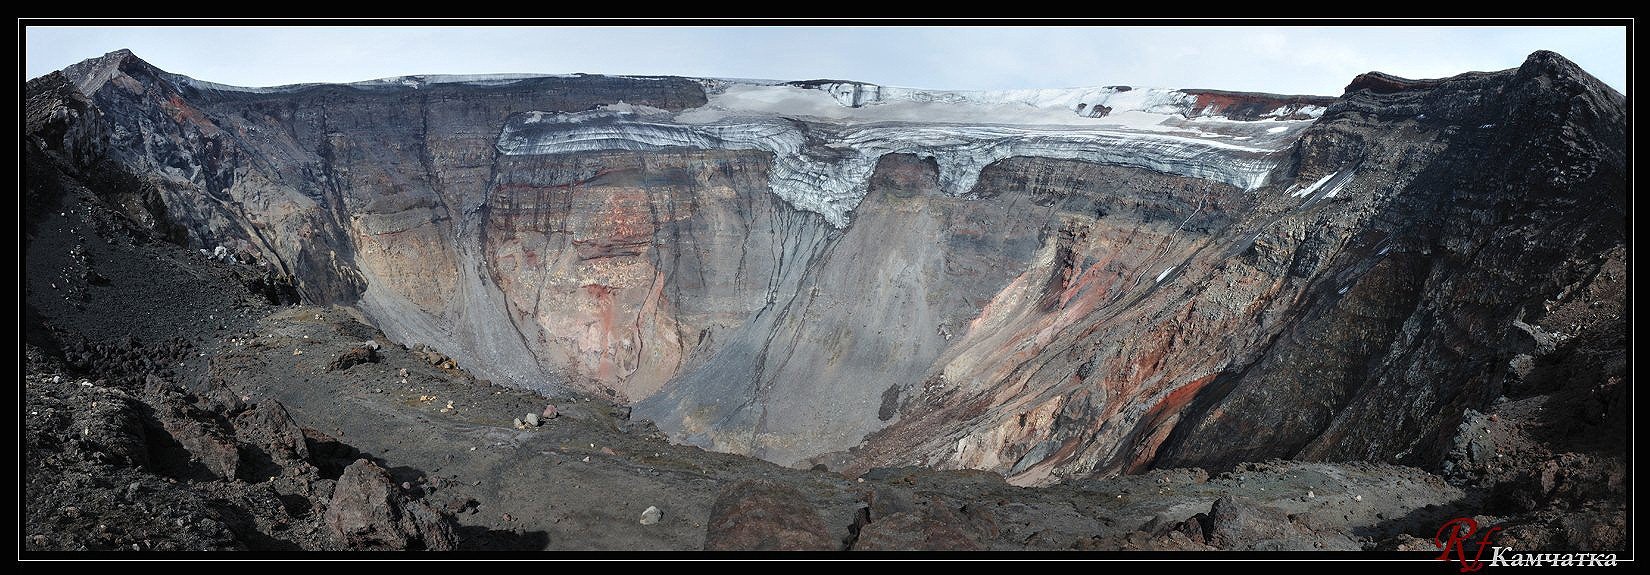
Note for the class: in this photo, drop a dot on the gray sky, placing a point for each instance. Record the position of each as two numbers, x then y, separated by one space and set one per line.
1303 60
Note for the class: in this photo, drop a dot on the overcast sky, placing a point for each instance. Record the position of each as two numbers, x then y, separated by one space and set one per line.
1302 60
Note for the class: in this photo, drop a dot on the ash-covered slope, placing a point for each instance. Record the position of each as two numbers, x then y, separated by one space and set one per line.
1045 284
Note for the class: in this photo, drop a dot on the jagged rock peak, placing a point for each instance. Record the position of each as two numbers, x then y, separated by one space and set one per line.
90 75
1563 73
1550 63
1543 63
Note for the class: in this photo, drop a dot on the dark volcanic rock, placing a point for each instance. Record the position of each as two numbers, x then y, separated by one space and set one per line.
1385 373
193 441
1382 83
760 515
272 434
352 357
930 527
368 511
1233 525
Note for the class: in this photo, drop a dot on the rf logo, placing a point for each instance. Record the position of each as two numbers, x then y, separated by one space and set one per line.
1455 535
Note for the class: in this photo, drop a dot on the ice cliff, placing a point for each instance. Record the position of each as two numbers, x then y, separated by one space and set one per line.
827 137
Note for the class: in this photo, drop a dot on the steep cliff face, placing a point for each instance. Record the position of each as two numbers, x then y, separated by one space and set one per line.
360 192
1045 284
1350 311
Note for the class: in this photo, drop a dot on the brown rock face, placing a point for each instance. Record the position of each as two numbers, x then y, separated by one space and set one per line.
757 515
1060 319
268 426
352 357
914 531
1252 106
368 512
1231 525
194 441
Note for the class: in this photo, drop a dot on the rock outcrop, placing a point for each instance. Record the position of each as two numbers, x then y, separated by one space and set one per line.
758 515
369 512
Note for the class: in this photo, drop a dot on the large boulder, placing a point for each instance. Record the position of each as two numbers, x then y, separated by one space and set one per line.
369 512
760 515
1231 524
201 445
354 356
894 519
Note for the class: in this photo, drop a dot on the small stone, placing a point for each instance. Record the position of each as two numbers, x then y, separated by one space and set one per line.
608 451
517 423
586 459
371 344
532 419
406 485
402 372
1310 494
651 515
1357 498
549 411
297 352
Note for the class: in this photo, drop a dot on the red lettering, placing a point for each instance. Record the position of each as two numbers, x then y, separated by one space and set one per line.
1455 534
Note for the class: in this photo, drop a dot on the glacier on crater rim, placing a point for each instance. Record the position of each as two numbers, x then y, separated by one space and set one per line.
826 137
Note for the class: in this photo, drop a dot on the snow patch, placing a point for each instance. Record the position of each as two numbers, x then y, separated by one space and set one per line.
1307 191
1277 130
1340 184
857 103
179 79
1165 274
